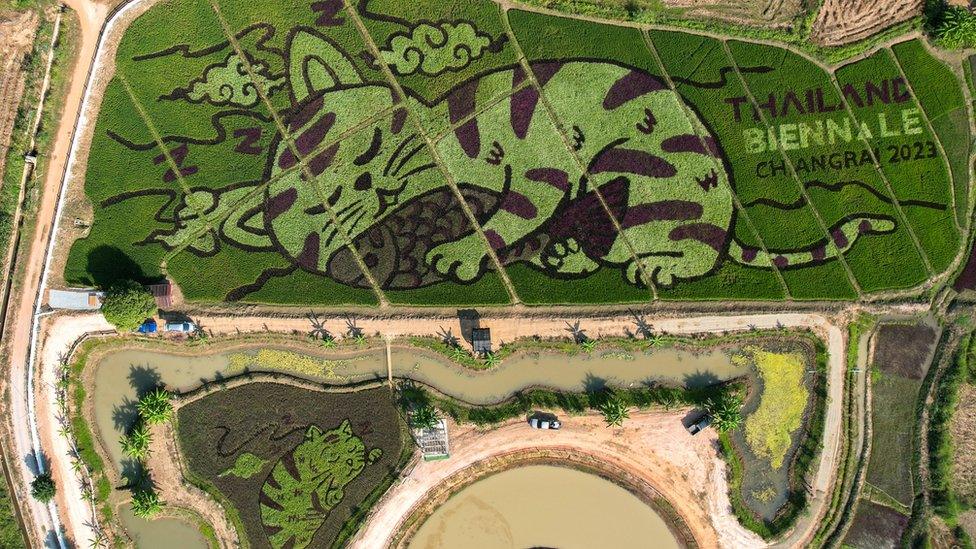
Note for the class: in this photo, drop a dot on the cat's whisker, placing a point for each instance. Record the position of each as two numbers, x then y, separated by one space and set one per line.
417 170
396 153
350 206
413 152
356 221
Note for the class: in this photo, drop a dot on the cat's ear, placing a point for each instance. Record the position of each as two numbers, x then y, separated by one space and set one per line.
317 64
345 428
313 433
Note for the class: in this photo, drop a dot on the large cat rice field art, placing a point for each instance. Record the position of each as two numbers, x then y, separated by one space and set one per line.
454 153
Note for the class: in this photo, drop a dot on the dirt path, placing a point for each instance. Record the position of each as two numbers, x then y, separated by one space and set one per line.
651 446
21 319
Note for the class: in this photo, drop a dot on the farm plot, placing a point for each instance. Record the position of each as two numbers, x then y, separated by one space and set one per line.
778 438
901 359
300 470
455 153
875 526
781 84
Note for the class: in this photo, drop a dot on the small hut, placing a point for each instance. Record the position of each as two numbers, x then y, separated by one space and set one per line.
481 341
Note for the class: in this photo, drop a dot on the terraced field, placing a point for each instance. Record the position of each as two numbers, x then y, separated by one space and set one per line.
456 153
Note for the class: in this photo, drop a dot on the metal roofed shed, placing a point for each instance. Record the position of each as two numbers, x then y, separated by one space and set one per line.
162 293
433 442
481 340
75 300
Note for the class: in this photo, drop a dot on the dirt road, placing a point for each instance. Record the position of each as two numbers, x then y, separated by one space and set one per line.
22 312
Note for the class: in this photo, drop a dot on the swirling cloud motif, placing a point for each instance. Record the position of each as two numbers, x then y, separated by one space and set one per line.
229 83
432 49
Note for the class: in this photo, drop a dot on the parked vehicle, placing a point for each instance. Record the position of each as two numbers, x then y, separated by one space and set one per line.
700 425
180 327
552 424
147 327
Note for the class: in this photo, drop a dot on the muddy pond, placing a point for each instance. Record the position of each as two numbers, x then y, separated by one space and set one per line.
121 377
543 506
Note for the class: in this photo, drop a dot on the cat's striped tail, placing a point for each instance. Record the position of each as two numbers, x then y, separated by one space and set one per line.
843 236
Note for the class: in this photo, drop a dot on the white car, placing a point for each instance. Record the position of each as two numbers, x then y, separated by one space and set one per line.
537 423
181 327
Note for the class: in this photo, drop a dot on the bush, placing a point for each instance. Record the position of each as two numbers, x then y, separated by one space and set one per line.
146 504
43 488
127 305
156 407
953 26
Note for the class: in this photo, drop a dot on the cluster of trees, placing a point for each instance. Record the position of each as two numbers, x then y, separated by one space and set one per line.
154 407
953 27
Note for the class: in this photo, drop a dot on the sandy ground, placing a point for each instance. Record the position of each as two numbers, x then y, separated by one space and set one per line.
652 446
845 21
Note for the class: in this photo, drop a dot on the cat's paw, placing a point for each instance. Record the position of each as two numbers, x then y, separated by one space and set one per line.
661 269
462 260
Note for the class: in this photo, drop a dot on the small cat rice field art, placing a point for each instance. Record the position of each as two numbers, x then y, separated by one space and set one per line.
460 153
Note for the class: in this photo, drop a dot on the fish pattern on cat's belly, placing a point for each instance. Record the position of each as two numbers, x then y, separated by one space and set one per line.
648 160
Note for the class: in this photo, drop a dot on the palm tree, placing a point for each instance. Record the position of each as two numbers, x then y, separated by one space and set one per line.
726 411
491 360
100 540
588 345
458 354
146 503
425 417
156 407
329 341
136 443
614 411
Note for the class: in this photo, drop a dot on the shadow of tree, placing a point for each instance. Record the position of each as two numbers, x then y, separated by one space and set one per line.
124 415
593 383
701 379
144 379
109 264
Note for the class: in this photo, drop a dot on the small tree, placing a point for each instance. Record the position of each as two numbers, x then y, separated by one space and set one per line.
726 411
156 407
127 304
614 411
588 345
146 504
491 360
136 443
43 488
425 417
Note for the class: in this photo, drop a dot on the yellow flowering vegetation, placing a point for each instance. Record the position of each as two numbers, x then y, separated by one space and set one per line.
780 413
285 361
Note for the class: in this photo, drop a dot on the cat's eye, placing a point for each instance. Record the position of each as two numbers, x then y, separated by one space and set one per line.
374 149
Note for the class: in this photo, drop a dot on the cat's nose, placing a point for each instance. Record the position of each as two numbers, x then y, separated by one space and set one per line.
364 182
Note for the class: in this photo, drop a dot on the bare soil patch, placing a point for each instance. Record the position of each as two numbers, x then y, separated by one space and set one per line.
16 40
963 430
845 21
904 349
875 526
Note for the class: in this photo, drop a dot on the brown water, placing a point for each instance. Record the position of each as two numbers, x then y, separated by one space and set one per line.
543 506
161 533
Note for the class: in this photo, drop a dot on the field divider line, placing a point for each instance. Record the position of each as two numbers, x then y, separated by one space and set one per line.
796 177
432 148
648 42
554 120
290 143
162 147
884 178
193 235
479 111
935 136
